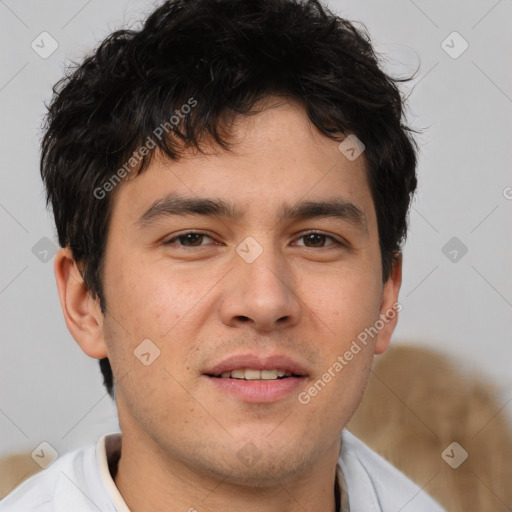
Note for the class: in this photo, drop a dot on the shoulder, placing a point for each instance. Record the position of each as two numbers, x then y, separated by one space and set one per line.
71 483
374 484
37 492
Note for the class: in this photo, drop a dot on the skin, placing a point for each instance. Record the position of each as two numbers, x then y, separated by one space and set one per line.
307 298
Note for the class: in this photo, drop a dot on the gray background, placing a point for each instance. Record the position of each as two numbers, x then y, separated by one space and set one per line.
51 391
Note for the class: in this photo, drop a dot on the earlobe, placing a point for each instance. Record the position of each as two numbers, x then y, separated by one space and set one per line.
390 306
81 312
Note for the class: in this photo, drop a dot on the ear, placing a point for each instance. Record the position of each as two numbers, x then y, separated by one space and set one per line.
390 306
81 312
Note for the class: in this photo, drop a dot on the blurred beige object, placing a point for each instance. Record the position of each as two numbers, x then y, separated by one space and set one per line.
443 428
15 469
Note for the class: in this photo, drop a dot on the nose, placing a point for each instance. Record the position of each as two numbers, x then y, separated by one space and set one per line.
261 294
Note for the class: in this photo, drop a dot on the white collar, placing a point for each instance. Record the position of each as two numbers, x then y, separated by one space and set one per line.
108 449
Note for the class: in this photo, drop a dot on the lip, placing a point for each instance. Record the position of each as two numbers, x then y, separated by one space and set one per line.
236 362
258 391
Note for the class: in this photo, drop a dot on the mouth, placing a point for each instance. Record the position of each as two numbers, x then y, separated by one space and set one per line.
255 379
253 374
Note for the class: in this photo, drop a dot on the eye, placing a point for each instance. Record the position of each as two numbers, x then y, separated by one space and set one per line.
312 240
318 240
190 239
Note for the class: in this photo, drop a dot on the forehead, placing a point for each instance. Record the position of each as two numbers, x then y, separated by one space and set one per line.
278 161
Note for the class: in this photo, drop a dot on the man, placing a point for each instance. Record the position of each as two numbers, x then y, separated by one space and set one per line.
230 186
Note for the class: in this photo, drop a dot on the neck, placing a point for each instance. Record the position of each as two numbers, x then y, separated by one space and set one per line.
149 482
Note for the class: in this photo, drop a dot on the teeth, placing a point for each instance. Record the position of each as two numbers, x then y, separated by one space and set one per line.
268 374
238 374
250 374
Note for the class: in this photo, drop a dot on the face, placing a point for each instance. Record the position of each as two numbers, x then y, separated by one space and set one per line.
247 302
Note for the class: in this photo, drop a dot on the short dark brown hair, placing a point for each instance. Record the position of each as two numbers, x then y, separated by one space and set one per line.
221 56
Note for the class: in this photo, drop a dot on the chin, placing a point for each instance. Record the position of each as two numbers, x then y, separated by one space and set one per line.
269 469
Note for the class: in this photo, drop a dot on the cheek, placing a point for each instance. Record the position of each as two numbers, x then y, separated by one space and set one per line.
148 371
346 302
152 300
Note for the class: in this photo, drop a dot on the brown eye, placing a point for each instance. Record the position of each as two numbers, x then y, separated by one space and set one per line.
317 240
191 239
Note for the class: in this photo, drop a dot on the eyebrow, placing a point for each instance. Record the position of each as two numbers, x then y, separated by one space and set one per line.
174 205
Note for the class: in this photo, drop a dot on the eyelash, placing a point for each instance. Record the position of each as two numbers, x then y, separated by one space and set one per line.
173 239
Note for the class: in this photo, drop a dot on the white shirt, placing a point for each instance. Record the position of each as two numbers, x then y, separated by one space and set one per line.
80 481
